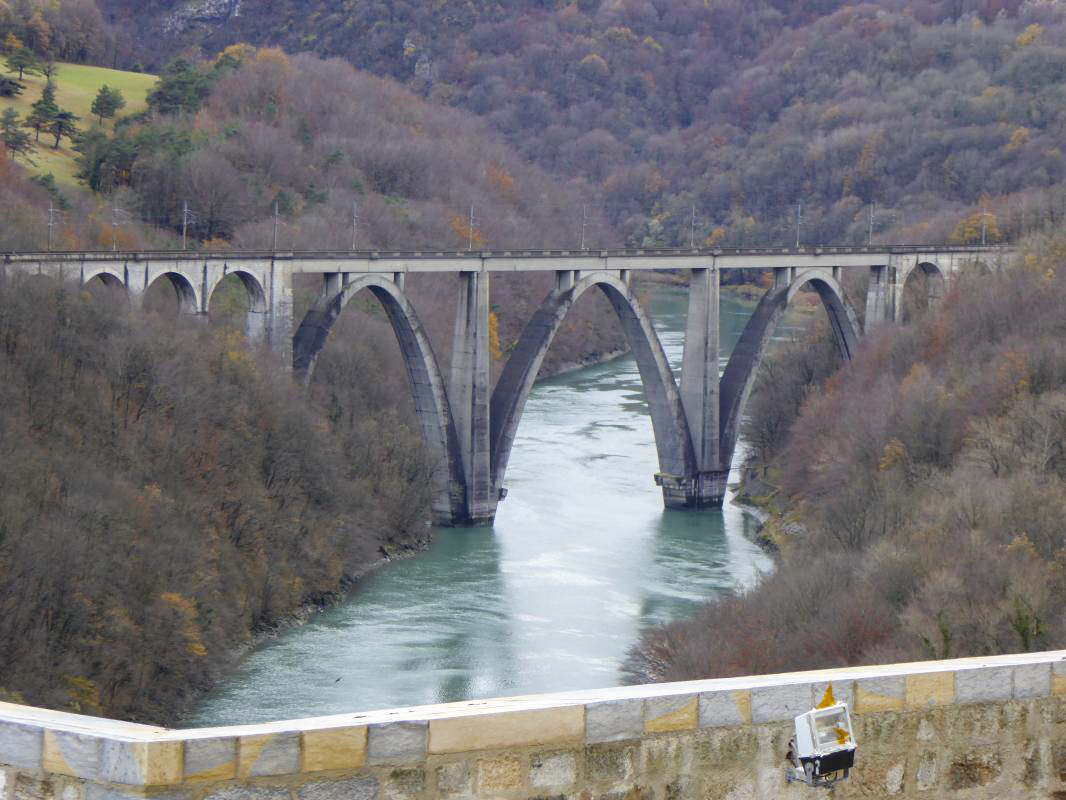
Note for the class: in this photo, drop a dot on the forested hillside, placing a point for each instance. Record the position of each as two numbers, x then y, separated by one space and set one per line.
164 492
920 494
167 490
915 114
348 160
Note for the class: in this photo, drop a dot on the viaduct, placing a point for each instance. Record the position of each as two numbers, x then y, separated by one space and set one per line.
469 426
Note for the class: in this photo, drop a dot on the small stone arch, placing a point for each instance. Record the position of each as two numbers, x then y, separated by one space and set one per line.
184 289
109 277
743 367
255 322
114 283
423 372
672 438
936 278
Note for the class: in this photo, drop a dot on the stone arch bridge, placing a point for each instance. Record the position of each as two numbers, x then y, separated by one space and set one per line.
468 425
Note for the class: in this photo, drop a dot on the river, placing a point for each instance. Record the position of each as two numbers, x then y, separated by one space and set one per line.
582 558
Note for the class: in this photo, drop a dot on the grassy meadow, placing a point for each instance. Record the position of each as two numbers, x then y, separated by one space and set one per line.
76 86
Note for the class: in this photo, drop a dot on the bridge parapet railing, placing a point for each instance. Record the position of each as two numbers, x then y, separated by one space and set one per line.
430 254
961 728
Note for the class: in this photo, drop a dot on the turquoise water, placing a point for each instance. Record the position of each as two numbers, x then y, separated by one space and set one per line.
582 557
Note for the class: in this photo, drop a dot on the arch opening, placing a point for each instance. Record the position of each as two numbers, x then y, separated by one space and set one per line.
424 378
923 287
238 302
107 289
743 367
170 295
672 439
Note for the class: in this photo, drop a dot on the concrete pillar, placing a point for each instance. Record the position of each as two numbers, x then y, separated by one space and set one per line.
877 298
279 326
334 283
255 328
700 395
469 393
897 276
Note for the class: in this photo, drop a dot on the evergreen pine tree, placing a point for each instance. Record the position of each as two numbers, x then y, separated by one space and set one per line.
16 140
107 103
43 112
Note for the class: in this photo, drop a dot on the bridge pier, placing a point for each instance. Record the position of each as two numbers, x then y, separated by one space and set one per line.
469 392
700 398
879 296
279 327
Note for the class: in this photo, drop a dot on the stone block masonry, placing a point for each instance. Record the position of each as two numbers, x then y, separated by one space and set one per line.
970 728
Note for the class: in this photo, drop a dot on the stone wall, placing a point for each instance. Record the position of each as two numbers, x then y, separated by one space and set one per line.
971 728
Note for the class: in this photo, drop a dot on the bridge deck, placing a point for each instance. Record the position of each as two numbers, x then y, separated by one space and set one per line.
522 260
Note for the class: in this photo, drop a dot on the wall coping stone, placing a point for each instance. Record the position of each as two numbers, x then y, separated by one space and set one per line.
133 732
126 754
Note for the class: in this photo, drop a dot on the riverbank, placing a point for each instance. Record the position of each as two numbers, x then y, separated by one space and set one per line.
297 618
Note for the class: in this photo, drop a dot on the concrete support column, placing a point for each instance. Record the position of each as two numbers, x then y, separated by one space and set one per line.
134 281
897 276
469 393
783 277
255 328
877 298
279 326
334 283
700 395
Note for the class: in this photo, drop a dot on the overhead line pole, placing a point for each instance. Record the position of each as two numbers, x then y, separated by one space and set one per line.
355 222
275 226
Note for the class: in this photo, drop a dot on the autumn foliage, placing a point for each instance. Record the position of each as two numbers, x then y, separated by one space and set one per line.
166 491
922 491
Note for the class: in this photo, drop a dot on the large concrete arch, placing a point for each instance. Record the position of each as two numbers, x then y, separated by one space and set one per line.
672 438
255 325
427 384
743 367
188 301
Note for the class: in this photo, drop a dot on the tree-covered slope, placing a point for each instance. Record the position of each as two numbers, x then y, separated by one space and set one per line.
921 492
76 86
166 491
917 114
